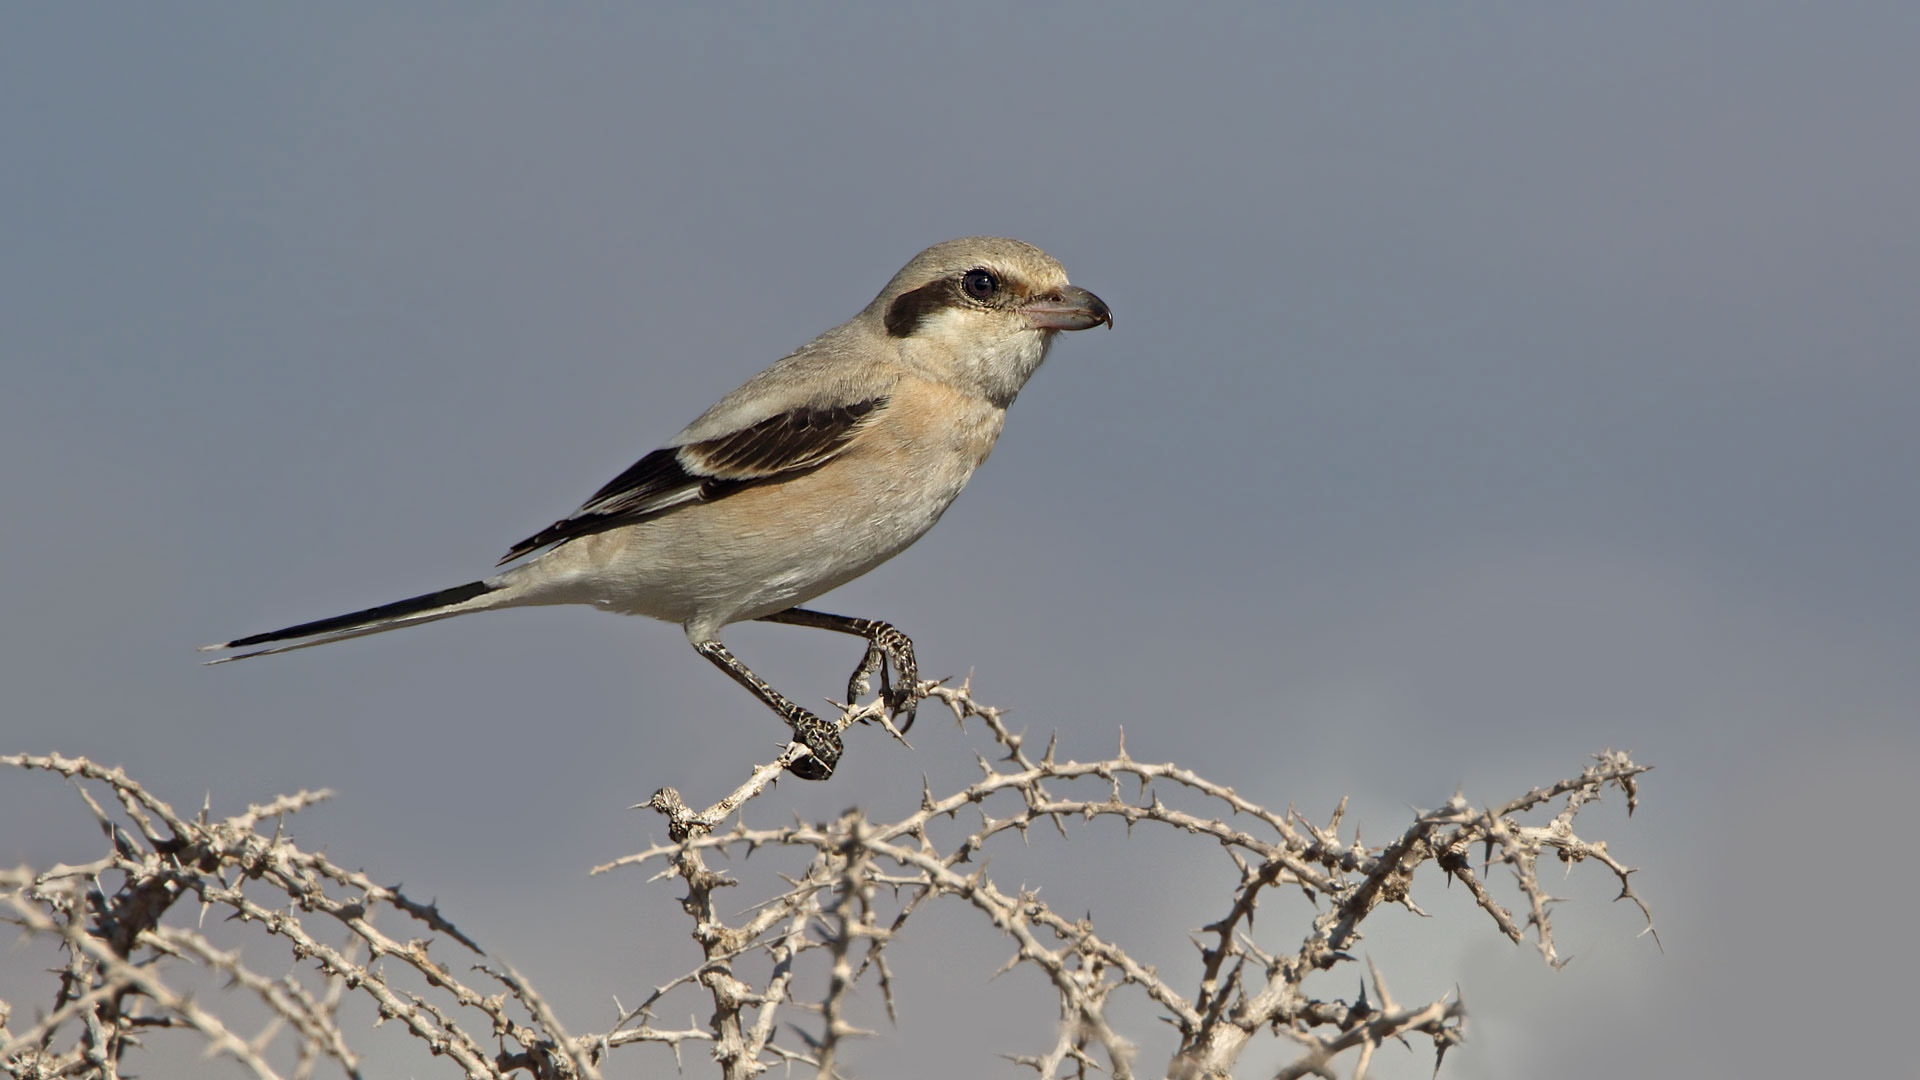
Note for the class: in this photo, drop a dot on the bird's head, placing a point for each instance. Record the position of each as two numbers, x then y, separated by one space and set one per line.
983 310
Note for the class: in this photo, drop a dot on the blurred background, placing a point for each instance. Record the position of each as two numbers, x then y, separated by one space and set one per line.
1490 387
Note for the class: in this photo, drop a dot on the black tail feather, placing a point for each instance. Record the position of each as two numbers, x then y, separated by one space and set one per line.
399 609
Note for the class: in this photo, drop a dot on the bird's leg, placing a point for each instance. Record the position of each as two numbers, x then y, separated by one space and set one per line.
818 736
885 645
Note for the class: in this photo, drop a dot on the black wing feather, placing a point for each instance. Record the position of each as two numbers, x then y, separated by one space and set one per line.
779 447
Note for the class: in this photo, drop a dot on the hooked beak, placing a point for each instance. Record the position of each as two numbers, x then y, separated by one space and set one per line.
1069 308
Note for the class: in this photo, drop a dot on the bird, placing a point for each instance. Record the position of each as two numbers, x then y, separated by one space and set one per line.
831 461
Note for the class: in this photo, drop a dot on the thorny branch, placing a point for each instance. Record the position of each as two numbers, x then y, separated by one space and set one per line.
777 979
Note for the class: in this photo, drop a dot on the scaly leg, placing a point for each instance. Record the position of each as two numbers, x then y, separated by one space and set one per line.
822 738
885 645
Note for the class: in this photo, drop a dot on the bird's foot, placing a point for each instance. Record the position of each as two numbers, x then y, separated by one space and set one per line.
822 741
889 648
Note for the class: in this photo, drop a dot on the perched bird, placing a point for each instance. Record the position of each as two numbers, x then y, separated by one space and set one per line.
813 472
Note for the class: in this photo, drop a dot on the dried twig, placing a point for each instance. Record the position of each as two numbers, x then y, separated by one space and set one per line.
801 947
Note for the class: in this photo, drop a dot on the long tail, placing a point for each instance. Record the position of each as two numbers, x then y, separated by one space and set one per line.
412 611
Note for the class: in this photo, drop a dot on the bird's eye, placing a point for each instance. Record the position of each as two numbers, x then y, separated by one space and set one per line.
980 284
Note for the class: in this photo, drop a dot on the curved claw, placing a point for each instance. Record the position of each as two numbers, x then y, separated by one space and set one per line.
904 703
861 681
810 768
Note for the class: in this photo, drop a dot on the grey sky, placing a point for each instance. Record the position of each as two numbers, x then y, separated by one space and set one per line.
1489 387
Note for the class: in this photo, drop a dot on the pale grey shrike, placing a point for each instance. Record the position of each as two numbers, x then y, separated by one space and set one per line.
813 472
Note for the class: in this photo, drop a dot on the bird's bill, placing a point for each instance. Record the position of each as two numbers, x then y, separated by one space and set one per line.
1070 308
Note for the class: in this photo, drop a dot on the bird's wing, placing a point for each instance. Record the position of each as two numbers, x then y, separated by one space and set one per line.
783 445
